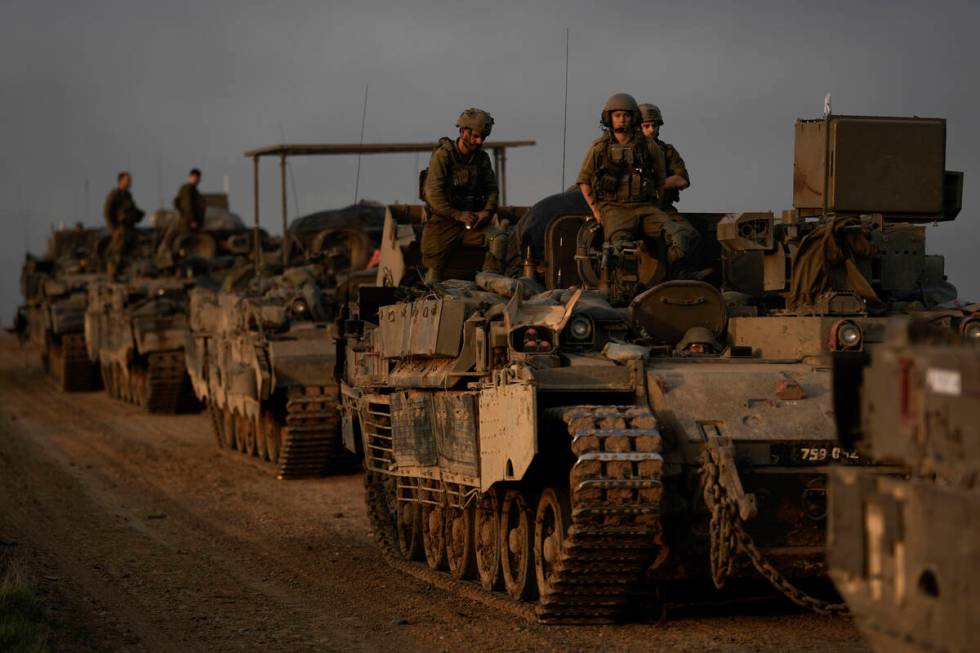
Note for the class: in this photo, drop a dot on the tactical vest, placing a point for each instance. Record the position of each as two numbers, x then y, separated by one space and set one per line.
624 172
465 187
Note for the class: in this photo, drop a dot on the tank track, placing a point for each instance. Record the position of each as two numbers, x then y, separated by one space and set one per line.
615 533
166 386
308 435
311 444
162 386
69 365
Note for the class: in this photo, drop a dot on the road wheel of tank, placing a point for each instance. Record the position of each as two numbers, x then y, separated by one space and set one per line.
460 542
551 523
434 535
217 425
409 514
113 381
487 540
228 420
140 385
246 435
56 364
271 433
261 444
516 550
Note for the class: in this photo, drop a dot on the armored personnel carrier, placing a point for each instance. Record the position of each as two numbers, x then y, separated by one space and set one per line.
620 435
52 317
135 329
903 548
261 357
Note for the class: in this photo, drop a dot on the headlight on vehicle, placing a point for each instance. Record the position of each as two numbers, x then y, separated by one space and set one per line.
580 329
298 307
846 335
971 330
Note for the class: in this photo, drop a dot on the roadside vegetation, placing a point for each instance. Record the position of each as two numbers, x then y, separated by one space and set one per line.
23 620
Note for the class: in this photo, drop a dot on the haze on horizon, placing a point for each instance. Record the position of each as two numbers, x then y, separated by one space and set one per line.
89 89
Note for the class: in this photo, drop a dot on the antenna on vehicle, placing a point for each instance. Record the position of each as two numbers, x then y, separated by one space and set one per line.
826 153
564 124
292 173
357 175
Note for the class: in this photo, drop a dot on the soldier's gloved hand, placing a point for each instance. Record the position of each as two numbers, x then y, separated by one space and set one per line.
469 219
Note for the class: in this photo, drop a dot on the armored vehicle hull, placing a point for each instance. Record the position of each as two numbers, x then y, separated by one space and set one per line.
903 548
135 331
268 382
55 295
262 356
601 443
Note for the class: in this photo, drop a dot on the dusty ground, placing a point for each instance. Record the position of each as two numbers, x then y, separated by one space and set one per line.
146 537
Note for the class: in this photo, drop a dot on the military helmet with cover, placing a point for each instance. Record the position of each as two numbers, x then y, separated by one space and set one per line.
651 113
619 102
476 119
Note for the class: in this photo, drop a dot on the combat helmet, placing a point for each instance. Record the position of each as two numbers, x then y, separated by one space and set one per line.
651 113
476 119
619 102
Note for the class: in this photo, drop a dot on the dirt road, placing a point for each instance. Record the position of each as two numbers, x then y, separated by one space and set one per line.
146 537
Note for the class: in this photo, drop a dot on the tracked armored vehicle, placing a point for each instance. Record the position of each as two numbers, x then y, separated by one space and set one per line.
262 357
52 318
904 547
136 328
599 445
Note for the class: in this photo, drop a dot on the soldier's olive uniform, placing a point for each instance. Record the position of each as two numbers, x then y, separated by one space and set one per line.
455 185
627 182
121 214
191 208
675 166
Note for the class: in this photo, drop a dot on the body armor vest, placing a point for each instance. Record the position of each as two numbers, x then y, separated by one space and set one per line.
466 189
624 173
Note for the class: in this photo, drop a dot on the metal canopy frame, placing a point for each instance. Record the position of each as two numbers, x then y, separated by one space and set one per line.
284 151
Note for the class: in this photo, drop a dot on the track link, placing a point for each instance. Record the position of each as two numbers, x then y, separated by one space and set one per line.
615 535
166 384
70 366
311 444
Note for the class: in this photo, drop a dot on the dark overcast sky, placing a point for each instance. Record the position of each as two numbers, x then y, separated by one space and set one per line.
89 88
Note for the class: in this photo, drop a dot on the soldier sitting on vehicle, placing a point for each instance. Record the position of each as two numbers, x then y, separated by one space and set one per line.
191 207
622 178
121 215
460 193
677 176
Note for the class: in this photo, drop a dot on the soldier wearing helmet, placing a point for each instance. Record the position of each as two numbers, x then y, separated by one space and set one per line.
622 179
677 176
121 215
460 193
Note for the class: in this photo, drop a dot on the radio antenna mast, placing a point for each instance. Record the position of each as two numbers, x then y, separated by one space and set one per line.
357 175
564 124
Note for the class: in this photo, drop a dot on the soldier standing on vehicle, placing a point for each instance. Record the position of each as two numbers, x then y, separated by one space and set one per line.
121 215
190 207
622 179
677 176
460 193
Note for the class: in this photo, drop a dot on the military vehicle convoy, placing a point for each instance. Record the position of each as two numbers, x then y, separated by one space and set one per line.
904 547
135 329
617 433
261 357
52 317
